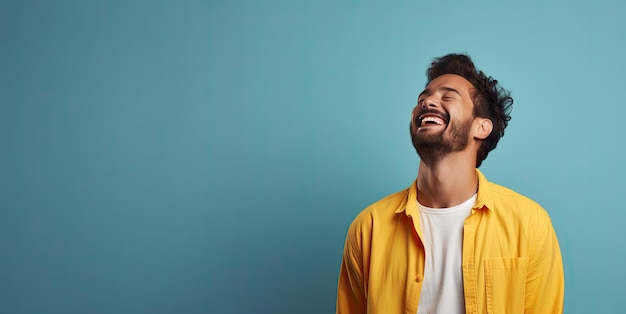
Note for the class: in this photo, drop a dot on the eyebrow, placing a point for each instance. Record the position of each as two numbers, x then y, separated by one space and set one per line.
429 92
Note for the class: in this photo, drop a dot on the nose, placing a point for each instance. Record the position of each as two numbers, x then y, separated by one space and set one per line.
428 103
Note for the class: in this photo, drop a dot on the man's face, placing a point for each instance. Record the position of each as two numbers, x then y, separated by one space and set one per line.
443 117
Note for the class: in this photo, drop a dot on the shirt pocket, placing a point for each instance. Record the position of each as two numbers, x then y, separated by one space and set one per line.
505 281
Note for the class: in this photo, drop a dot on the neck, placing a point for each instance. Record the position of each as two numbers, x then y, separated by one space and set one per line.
449 182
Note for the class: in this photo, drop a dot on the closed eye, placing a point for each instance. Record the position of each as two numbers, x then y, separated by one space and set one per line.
448 96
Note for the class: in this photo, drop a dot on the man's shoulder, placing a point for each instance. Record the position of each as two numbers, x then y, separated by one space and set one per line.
382 209
503 193
508 201
390 204
391 201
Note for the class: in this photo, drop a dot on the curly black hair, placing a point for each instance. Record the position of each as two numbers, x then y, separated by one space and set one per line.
491 101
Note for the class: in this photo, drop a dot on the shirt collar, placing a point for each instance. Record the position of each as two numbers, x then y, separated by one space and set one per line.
483 199
409 203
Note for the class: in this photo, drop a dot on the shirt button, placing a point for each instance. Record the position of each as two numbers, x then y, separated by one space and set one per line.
419 278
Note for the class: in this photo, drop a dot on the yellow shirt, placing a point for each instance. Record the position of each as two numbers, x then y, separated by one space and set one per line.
511 257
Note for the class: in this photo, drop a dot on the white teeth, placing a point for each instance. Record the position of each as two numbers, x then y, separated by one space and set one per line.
432 119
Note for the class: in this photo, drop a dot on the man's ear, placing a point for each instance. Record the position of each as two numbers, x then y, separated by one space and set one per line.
483 128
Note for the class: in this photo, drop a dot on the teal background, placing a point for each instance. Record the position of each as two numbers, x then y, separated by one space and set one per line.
208 156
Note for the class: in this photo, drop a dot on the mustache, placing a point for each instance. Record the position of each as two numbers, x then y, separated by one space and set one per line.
422 112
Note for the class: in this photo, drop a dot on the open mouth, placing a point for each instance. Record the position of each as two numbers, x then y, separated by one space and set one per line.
429 119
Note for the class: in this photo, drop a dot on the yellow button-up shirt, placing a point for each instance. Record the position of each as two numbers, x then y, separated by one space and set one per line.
511 257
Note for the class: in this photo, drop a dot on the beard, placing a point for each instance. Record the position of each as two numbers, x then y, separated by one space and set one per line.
432 148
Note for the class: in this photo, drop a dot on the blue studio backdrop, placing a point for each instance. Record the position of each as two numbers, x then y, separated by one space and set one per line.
208 156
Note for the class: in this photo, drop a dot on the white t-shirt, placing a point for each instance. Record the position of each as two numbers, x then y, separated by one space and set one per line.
442 229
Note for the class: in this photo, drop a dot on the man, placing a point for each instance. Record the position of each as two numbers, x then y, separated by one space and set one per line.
453 242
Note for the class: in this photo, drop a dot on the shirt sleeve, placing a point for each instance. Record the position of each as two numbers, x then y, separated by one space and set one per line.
351 295
545 278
